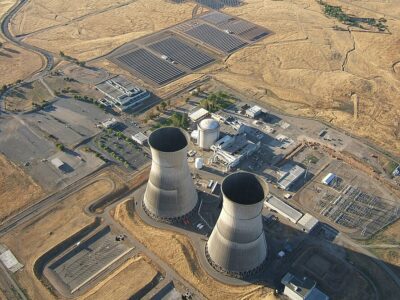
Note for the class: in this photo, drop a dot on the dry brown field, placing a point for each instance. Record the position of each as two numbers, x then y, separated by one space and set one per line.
306 68
17 189
99 33
15 62
181 256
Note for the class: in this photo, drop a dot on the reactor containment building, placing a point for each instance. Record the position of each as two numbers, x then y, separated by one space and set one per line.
170 193
237 246
208 133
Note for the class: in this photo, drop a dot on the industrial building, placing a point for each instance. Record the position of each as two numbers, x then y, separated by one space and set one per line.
301 288
254 111
139 138
308 222
284 209
198 115
208 133
328 179
237 246
121 93
110 123
289 175
170 192
58 163
230 150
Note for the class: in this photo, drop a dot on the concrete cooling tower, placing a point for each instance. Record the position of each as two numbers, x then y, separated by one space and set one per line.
237 246
170 192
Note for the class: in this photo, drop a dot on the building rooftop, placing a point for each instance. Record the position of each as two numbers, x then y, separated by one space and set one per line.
199 114
308 222
208 124
304 287
290 175
284 208
58 163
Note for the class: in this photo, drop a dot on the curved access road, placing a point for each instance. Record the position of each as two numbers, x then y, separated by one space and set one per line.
5 29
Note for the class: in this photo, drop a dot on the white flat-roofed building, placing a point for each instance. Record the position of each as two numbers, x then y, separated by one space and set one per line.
139 138
284 209
198 115
328 179
290 177
109 123
301 288
58 163
308 223
254 111
121 93
8 259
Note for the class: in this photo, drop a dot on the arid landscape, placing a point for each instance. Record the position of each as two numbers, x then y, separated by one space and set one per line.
15 185
308 67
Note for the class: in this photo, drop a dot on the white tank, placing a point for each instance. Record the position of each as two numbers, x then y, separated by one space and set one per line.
199 163
208 133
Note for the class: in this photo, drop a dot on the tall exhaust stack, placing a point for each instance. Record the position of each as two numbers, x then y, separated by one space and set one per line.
170 192
237 246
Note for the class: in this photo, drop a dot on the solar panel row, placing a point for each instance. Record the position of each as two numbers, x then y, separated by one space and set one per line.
216 38
150 66
254 34
238 27
182 53
216 18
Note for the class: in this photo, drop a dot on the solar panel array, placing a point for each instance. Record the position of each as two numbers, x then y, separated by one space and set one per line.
150 66
216 18
182 53
216 38
238 27
254 34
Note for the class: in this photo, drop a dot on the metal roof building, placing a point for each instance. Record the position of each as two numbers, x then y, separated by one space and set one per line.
58 163
284 209
198 115
254 111
301 288
8 259
328 178
290 177
139 138
308 222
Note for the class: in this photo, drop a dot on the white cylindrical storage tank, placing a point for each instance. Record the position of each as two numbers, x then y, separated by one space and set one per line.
237 246
199 163
208 133
170 192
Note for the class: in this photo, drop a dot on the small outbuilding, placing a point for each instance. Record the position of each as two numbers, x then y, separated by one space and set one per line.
58 163
308 222
139 138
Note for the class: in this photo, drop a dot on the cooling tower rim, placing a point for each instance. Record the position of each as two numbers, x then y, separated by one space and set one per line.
168 145
244 199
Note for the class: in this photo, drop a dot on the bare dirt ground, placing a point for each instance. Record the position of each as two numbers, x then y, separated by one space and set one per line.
181 256
24 97
386 245
17 189
102 32
15 62
139 272
40 235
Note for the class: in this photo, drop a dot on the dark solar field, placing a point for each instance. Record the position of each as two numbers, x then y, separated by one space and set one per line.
214 4
216 18
216 38
150 66
182 53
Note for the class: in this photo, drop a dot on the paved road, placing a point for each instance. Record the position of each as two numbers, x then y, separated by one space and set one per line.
48 57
